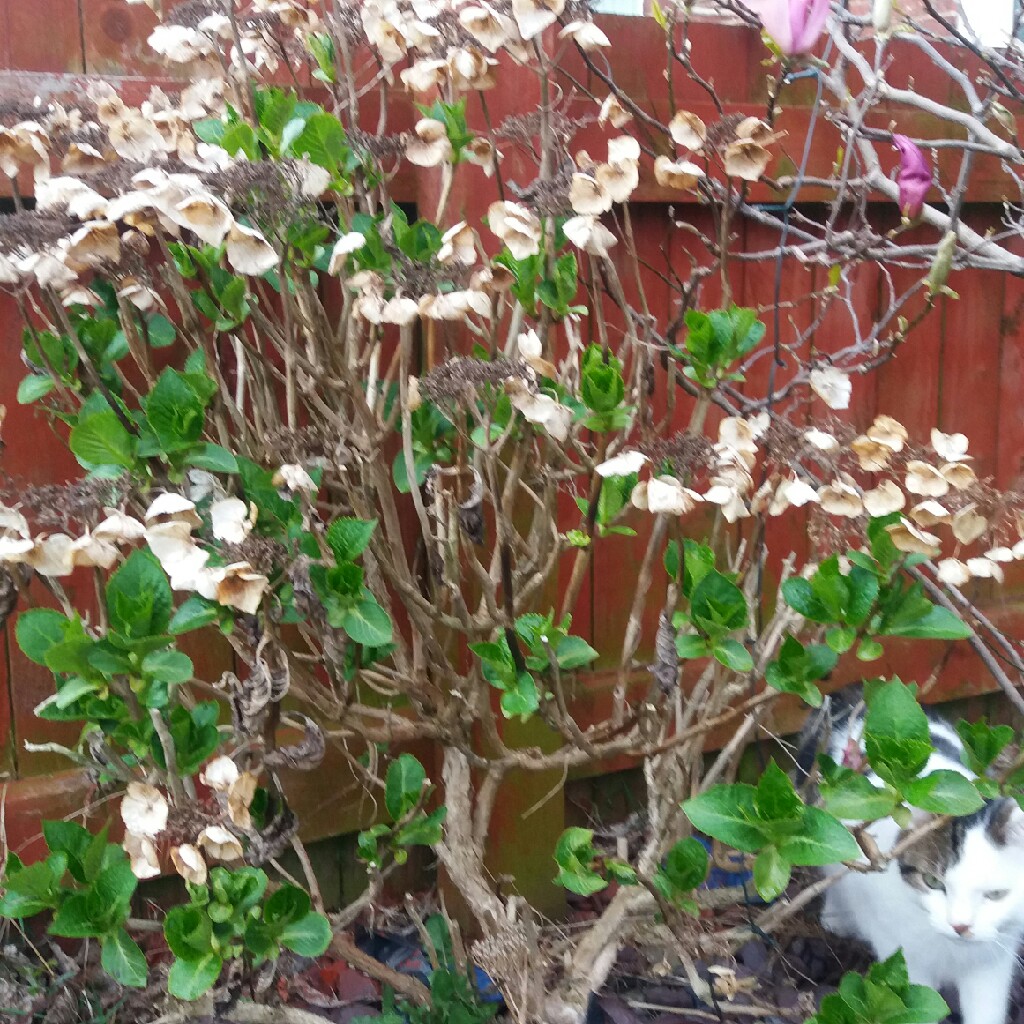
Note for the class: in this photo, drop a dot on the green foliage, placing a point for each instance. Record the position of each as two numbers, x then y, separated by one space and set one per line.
612 502
897 744
685 867
108 439
871 600
433 439
983 743
799 667
533 288
883 996
405 792
715 341
603 389
137 652
584 871
350 605
717 608
453 117
229 918
95 904
545 646
772 821
576 858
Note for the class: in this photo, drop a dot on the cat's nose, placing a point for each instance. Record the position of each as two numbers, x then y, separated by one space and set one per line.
961 929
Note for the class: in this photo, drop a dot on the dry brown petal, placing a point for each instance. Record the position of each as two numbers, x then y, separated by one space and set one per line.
516 226
688 130
220 844
821 440
929 513
926 480
950 447
240 797
249 252
142 855
144 809
872 455
885 430
489 28
92 553
907 537
755 130
458 244
94 244
746 160
968 526
52 556
1000 554
425 75
81 158
841 499
480 152
620 179
170 507
205 216
959 475
540 409
430 146
613 112
189 863
235 586
588 196
953 572
985 569
589 234
681 174
791 493
219 774
533 16
471 69
885 499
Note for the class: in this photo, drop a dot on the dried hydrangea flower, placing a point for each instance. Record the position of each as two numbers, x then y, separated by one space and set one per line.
219 774
142 855
189 863
907 537
680 174
623 464
144 809
832 386
589 234
220 844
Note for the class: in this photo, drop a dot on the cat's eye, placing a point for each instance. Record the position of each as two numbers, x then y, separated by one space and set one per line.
933 882
997 894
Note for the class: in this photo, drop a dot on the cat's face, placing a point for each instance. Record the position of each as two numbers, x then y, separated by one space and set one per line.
969 874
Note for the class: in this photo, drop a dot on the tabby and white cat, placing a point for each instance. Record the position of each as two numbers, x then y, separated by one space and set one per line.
954 900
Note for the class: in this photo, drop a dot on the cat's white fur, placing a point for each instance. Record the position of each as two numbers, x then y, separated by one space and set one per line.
888 913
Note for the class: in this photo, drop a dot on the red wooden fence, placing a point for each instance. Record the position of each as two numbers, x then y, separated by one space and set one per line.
963 372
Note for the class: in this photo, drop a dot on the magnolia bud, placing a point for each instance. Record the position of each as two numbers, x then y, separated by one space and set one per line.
881 15
413 399
942 264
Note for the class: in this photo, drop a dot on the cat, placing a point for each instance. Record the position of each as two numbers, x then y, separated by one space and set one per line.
954 900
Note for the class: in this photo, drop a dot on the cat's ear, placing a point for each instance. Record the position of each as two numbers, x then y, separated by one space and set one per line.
1006 826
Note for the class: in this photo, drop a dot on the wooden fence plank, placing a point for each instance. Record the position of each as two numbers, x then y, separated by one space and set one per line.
970 391
41 35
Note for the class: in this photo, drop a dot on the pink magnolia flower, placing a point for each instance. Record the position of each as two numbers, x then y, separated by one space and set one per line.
795 25
914 177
